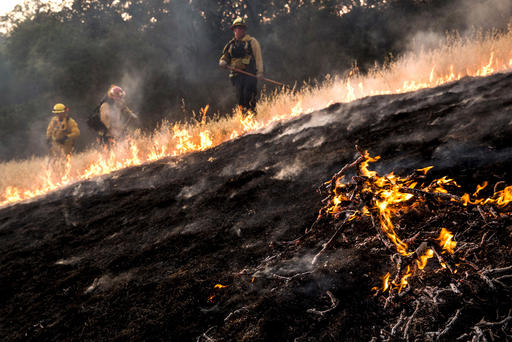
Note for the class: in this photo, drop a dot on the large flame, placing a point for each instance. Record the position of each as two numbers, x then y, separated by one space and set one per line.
481 56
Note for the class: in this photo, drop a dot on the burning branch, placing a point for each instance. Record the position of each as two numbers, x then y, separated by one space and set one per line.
431 266
386 199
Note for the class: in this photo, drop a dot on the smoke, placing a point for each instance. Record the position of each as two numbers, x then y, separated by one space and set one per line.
466 18
312 142
296 265
193 190
257 161
289 171
487 13
315 120
132 83
69 261
107 282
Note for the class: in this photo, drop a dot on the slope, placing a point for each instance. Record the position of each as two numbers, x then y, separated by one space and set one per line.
136 255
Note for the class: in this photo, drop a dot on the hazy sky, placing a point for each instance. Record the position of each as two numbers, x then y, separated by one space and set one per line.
7 5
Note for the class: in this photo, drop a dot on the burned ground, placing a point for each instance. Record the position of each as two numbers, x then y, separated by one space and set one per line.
136 255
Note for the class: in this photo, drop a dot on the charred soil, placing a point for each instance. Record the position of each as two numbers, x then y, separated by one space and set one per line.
211 246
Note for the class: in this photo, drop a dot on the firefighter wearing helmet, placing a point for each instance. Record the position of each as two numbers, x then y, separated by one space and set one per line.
62 131
243 52
115 114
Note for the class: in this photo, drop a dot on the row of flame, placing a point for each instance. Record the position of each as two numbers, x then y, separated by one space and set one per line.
177 139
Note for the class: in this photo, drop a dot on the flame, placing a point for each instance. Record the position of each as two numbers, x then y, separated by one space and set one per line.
385 282
297 109
396 286
445 241
425 169
481 56
403 281
429 253
500 198
479 188
388 195
504 196
203 111
216 286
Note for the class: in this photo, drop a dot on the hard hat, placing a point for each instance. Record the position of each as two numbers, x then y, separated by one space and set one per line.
239 22
59 108
116 92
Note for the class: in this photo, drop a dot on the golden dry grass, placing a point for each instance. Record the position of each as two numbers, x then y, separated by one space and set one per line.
480 55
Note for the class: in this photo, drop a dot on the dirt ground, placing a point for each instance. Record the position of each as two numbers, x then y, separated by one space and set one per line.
136 255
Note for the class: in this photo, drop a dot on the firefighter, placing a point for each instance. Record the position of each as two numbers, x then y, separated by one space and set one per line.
115 114
62 132
243 52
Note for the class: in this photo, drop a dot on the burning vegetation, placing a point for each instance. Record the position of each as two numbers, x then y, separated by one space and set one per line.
442 283
480 56
233 243
432 265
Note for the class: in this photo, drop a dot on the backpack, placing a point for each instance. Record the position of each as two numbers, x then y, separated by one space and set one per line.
94 120
241 52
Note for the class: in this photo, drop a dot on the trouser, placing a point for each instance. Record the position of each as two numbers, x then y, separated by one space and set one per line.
246 88
58 150
107 140
58 158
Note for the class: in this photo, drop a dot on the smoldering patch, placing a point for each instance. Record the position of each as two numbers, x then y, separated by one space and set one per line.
107 282
69 261
289 171
313 142
316 120
240 166
192 228
190 191
287 269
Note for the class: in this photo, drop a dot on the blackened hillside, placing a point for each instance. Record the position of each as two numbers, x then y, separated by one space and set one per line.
136 255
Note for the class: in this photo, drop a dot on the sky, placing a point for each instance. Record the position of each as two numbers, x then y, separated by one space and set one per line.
8 5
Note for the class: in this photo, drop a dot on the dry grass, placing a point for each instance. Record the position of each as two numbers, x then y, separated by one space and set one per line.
482 54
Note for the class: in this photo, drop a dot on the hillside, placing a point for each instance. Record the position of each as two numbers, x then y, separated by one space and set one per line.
135 255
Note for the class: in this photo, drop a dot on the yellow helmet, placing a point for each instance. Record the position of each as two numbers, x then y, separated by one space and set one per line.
59 108
239 22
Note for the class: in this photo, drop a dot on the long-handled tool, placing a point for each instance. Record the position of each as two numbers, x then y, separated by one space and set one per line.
253 75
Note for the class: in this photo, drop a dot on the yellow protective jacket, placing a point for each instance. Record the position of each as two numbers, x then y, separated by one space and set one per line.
62 134
244 54
60 131
116 116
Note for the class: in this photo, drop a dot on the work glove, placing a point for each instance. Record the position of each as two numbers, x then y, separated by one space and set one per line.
223 64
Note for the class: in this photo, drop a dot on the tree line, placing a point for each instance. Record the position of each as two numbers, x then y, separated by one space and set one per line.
165 53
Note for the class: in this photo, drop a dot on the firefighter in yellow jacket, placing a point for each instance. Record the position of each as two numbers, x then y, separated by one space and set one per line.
243 52
62 132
